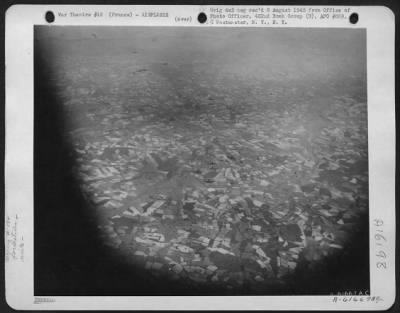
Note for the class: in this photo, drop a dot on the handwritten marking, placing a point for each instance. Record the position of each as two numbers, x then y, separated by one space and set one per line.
14 243
344 299
380 240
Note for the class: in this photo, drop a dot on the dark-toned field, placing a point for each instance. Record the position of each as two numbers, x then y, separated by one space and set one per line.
220 161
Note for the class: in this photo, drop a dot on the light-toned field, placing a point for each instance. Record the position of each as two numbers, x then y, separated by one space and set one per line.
233 157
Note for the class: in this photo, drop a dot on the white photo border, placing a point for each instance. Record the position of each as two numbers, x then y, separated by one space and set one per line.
20 21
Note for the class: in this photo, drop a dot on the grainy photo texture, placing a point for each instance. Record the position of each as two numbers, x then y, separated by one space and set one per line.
200 161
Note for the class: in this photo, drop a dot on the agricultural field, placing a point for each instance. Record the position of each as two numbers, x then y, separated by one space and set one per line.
210 157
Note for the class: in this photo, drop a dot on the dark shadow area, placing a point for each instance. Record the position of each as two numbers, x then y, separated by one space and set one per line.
70 258
348 268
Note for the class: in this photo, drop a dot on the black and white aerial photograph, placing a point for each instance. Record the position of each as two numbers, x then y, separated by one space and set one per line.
201 161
